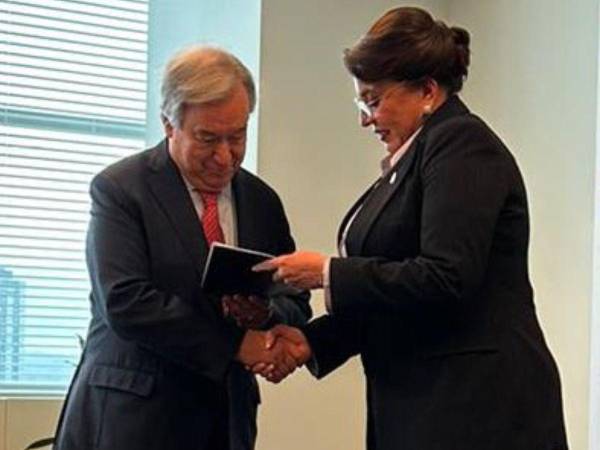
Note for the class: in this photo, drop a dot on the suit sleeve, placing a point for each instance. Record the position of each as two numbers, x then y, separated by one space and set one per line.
292 309
464 185
333 340
190 333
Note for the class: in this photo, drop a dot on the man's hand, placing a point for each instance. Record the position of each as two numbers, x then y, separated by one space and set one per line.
248 312
303 270
275 360
291 341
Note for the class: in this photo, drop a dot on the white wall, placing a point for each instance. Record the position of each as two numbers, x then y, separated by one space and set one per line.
594 422
534 78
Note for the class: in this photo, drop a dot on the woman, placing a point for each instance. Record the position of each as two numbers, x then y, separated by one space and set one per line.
432 286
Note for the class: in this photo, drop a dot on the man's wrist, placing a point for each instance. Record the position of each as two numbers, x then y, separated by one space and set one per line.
249 346
270 321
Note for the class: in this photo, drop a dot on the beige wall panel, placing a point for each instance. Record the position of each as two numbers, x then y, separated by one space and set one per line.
313 152
3 430
28 420
533 78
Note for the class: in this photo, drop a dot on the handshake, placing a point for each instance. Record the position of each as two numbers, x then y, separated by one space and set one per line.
274 354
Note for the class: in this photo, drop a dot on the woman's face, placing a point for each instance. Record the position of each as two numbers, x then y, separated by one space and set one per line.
394 109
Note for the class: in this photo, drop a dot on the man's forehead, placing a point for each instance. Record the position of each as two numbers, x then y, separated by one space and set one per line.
216 118
201 129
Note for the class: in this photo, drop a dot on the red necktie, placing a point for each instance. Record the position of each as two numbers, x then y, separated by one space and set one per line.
210 219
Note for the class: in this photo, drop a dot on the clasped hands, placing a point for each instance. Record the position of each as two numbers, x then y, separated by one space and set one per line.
273 354
276 353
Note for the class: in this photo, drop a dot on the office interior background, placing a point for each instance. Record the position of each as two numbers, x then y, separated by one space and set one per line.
68 107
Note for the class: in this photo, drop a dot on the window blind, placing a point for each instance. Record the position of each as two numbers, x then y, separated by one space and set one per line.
72 100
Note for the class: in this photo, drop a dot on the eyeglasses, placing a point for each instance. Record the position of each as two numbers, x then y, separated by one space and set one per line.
368 107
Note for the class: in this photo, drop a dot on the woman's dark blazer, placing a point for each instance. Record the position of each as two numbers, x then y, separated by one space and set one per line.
435 297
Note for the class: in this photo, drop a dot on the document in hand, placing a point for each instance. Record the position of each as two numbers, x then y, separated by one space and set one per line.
228 270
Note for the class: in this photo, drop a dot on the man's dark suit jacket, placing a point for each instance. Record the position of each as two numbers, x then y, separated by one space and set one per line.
435 297
157 368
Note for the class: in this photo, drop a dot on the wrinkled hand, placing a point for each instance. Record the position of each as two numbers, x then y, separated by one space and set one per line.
248 312
274 359
294 344
303 270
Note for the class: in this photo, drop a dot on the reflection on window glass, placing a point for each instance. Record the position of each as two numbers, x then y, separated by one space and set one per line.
72 100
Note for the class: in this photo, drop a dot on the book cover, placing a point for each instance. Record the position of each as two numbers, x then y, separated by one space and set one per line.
228 271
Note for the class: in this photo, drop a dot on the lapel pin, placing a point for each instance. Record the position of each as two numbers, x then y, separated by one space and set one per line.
393 178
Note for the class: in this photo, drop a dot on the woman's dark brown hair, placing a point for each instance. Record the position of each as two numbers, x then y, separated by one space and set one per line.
407 44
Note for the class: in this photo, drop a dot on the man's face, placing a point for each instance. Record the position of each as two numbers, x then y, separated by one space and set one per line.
210 144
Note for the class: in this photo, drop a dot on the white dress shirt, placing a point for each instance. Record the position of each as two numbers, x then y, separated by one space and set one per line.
226 205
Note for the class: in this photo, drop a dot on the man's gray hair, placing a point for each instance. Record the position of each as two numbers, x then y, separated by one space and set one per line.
200 75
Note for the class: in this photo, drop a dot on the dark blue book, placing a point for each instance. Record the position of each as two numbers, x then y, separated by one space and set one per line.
228 271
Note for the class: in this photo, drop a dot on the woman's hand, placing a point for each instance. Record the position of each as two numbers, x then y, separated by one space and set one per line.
303 270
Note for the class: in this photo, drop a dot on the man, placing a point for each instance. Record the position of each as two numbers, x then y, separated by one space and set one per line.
163 364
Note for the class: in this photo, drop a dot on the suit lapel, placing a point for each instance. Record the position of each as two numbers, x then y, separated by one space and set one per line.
352 210
172 195
375 203
376 198
253 229
246 227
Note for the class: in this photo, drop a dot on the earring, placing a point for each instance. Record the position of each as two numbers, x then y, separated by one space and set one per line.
427 110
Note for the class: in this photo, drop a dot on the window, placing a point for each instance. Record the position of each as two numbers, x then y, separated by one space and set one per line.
72 100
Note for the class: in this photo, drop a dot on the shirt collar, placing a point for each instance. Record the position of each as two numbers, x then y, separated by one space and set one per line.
390 161
225 193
